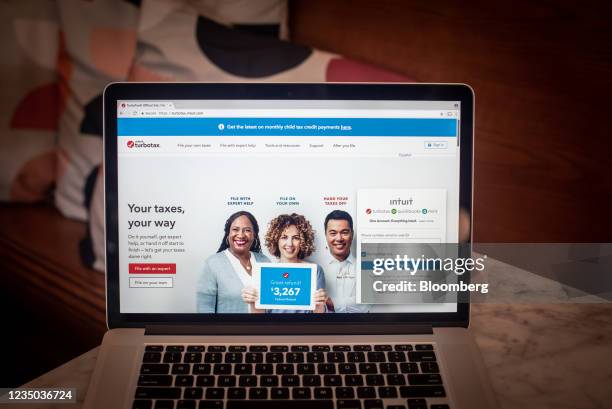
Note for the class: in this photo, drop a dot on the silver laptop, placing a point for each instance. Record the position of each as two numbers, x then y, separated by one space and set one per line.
267 246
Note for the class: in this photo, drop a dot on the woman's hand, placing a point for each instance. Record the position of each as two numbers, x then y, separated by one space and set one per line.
320 299
249 296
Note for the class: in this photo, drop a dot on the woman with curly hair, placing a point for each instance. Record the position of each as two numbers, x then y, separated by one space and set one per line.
290 238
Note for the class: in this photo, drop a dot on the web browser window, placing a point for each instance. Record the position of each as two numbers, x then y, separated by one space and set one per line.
223 204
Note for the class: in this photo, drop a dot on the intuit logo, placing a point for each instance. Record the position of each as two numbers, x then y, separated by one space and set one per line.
400 201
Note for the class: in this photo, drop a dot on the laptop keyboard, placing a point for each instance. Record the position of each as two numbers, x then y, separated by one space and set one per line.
380 376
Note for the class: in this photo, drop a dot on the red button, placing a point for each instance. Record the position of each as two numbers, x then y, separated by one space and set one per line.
152 268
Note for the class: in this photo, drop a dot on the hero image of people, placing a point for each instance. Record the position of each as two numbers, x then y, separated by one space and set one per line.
226 283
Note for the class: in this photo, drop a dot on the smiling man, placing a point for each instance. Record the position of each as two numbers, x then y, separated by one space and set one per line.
340 270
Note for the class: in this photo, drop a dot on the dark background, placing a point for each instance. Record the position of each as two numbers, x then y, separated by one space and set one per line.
542 75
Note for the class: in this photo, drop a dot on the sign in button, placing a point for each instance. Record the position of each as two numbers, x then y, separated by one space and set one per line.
436 144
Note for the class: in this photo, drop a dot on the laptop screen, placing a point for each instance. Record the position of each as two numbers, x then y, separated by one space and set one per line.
292 206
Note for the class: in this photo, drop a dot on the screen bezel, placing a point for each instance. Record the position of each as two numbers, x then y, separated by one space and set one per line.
275 91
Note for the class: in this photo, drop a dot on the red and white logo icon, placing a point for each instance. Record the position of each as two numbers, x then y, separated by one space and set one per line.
368 211
285 275
130 144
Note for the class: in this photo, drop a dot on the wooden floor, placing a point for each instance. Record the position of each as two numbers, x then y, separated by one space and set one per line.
542 74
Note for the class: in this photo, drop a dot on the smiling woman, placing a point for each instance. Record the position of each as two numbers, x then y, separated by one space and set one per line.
229 270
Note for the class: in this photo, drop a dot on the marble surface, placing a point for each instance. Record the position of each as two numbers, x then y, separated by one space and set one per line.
553 352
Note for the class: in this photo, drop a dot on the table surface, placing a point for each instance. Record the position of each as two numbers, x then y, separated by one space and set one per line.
551 354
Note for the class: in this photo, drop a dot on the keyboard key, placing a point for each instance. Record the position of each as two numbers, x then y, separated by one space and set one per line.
279 393
237 348
345 392
422 356
388 367
326 369
332 380
154 348
315 357
341 348
226 381
181 369
383 348
417 404
403 347
396 356
258 348
155 380
155 369
335 357
215 393
193 393
196 348
300 348
376 357
409 367
205 380
279 348
222 369
422 392
151 357
247 380
396 379
301 393
142 404
428 379
429 367
375 380
175 348
254 357
323 393
158 393
279 404
368 368
348 404
362 348
373 404
290 380
236 393
264 369
285 369
183 380
387 392
364 392
172 357
243 369
347 368
202 369
216 348
353 380
268 380
164 404
355 357
295 357
233 358
311 380
257 393
440 406
423 347
186 404
212 404
305 369
213 357
274 357
321 348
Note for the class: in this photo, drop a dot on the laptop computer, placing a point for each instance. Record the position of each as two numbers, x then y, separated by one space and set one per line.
255 235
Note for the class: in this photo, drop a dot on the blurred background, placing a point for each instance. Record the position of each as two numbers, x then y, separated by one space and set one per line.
541 72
